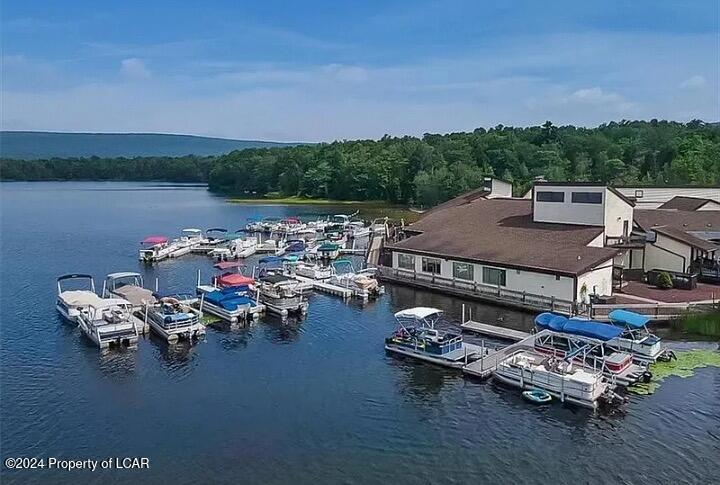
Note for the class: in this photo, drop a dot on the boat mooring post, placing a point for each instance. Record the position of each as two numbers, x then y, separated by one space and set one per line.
463 313
157 284
198 278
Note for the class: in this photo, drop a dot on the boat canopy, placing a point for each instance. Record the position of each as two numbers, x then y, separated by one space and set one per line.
270 260
124 274
234 279
216 229
577 326
626 317
551 321
275 278
590 329
291 220
229 300
155 240
74 276
418 313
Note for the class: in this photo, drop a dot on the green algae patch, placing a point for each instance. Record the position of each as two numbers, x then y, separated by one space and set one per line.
210 319
685 365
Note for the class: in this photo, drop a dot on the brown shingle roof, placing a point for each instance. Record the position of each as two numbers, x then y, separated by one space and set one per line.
461 199
683 203
502 232
689 239
685 220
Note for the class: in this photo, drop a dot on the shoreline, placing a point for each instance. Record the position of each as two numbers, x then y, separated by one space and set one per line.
307 201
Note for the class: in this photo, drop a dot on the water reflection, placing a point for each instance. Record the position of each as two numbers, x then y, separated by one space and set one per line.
419 380
117 362
282 330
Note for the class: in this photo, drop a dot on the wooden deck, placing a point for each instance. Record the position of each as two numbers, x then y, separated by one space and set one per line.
502 333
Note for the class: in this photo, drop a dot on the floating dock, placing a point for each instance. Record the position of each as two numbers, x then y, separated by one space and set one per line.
494 331
326 287
485 366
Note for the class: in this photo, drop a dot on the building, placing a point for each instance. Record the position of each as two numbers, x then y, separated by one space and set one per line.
672 240
654 197
566 242
691 204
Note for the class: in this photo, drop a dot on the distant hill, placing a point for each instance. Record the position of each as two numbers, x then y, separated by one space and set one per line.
31 145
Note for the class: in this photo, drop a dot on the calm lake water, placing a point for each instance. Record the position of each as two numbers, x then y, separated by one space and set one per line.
314 401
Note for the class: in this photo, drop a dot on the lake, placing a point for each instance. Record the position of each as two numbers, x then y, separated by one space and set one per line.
309 401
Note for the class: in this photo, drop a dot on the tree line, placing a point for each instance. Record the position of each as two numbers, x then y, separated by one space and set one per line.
428 170
168 169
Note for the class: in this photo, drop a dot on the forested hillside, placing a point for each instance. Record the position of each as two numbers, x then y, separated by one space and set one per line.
437 167
35 145
425 171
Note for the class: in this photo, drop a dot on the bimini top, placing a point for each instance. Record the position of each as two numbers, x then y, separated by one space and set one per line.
590 329
577 326
216 229
154 240
191 230
418 313
551 321
123 274
273 261
631 319
234 279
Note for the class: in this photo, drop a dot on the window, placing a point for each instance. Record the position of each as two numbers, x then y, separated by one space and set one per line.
494 276
431 265
406 261
545 196
639 194
464 271
587 197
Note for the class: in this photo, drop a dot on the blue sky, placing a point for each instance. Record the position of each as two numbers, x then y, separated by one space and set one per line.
319 71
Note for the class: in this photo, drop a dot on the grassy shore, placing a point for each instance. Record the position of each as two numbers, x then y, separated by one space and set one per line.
707 324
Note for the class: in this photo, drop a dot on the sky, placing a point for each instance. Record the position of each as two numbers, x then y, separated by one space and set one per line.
329 70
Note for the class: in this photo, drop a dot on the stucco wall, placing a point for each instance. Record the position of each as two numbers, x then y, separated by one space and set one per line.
616 211
566 212
517 280
598 280
667 254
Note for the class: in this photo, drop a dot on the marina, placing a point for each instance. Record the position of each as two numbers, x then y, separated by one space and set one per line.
241 363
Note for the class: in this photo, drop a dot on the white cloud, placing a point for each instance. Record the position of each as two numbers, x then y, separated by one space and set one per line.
572 79
134 68
597 97
694 82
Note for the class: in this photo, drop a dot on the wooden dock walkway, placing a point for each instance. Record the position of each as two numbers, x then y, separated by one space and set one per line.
485 366
494 331
326 287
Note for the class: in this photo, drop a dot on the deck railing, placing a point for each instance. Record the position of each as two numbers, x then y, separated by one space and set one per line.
656 311
479 290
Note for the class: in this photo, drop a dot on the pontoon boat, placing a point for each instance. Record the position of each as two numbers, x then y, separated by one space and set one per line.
637 339
71 302
563 379
281 295
155 248
417 337
587 343
172 319
110 322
